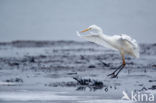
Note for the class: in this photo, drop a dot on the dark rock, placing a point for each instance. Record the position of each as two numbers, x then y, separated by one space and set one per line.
140 84
82 57
42 56
19 80
154 65
32 60
130 63
154 44
14 64
152 81
97 83
91 66
71 73
153 87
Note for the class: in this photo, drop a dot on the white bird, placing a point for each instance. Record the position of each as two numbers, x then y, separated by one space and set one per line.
123 43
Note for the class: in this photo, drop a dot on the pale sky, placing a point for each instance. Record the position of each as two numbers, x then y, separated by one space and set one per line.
59 19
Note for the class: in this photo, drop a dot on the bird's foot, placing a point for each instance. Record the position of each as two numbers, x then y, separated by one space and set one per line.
113 75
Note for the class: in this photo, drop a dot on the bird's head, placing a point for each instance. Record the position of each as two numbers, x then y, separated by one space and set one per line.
93 29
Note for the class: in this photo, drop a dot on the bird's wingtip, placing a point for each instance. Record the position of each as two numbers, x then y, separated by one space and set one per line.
78 34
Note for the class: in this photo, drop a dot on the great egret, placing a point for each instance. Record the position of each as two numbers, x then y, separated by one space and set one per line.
123 43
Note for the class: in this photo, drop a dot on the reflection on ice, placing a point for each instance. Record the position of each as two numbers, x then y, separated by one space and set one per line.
107 101
33 95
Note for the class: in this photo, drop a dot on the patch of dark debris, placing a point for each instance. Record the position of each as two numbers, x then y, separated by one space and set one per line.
13 63
80 83
152 81
154 65
62 84
91 66
153 87
148 49
104 64
17 80
89 82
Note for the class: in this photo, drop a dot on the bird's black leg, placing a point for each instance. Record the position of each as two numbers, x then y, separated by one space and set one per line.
116 75
112 74
120 69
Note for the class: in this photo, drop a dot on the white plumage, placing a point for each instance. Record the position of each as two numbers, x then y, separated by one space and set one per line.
96 38
123 43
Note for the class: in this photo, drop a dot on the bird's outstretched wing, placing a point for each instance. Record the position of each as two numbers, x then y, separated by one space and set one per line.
96 38
133 43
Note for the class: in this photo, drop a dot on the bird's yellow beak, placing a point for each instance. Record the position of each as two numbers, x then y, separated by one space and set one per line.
85 30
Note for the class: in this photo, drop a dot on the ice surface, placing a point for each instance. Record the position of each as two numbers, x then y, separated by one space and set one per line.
43 71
